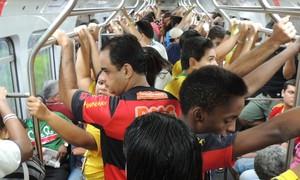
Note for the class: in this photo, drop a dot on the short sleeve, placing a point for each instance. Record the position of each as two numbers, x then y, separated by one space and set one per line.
217 152
91 109
10 157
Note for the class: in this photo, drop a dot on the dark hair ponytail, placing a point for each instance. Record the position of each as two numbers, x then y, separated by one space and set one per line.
154 64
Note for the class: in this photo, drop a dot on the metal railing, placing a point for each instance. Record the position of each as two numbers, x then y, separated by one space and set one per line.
45 40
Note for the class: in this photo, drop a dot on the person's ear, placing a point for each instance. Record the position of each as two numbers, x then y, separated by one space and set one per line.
199 114
127 71
196 119
192 62
282 93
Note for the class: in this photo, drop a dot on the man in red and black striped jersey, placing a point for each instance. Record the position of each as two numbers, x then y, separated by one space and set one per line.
123 67
211 100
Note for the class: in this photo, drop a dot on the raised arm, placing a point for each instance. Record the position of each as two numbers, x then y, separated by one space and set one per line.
16 131
243 28
281 128
283 32
258 77
68 131
67 78
83 63
289 68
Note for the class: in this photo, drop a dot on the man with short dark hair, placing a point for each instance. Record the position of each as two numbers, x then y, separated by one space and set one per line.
123 68
211 101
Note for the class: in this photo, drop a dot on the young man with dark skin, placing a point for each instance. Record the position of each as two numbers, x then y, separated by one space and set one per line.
211 101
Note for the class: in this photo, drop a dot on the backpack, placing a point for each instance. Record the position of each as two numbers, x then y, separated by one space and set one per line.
32 169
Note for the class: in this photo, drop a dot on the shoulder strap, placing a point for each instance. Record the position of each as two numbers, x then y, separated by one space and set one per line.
25 171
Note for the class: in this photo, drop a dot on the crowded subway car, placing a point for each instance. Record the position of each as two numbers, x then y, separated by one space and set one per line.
149 89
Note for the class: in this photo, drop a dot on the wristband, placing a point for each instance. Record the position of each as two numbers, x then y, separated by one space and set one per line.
8 117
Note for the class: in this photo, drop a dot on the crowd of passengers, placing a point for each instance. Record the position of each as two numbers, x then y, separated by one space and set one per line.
166 97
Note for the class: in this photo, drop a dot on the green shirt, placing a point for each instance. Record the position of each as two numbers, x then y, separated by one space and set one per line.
50 139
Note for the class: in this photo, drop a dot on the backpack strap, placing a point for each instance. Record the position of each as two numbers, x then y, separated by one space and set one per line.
25 171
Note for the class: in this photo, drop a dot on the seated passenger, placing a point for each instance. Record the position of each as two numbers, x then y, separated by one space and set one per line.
159 146
268 163
18 148
53 145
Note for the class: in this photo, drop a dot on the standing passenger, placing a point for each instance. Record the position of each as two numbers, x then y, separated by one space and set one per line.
123 68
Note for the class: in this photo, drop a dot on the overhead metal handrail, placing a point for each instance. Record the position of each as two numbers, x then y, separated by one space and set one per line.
194 10
133 7
141 7
203 9
82 11
221 8
73 34
266 6
57 22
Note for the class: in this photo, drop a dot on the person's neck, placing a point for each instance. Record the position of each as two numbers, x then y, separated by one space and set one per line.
137 80
147 41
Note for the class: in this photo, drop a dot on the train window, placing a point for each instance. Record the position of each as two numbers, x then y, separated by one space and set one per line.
43 65
7 68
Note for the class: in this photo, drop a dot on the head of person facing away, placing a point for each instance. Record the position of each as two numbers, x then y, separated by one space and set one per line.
270 162
196 53
155 63
216 35
288 93
186 35
123 64
145 28
50 91
211 100
159 146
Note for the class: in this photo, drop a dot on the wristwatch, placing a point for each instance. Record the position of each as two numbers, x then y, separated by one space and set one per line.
66 144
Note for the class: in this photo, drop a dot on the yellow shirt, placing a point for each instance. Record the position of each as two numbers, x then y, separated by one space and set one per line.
93 166
177 69
174 85
287 175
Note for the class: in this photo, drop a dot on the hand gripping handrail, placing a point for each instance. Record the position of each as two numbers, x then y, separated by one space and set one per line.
237 8
57 22
141 7
203 9
74 34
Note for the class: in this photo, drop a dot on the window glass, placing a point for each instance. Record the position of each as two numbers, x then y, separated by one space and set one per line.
8 74
42 65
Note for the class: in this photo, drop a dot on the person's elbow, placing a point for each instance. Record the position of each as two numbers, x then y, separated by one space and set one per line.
26 152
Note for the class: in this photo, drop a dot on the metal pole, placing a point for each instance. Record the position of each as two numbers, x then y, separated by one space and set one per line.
18 95
203 9
234 8
290 150
57 22
52 40
266 6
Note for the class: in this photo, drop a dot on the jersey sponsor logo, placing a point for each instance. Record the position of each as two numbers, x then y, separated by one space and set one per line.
144 95
141 110
88 105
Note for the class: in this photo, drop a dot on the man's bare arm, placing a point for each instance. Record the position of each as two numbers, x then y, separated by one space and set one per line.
67 80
